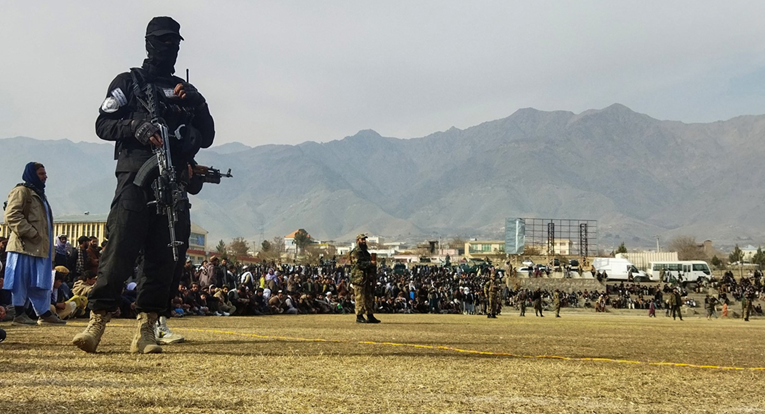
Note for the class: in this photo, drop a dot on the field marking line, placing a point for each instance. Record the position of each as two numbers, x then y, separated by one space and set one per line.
473 351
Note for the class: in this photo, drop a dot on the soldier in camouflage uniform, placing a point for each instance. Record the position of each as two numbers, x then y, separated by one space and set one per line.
521 299
491 289
363 271
556 303
746 303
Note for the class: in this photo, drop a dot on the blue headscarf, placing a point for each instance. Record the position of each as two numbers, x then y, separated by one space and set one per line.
30 177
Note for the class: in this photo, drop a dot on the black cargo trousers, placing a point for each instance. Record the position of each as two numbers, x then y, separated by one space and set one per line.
132 228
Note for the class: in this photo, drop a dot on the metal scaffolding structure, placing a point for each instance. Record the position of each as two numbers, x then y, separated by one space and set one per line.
567 237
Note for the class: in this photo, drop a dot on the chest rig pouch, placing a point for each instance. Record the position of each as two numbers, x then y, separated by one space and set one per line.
169 108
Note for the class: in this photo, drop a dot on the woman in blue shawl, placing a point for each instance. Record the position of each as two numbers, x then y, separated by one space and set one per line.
29 267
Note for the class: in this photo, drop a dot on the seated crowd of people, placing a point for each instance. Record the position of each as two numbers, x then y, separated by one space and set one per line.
219 288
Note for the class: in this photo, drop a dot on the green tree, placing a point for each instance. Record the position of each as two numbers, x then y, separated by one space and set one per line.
759 257
737 256
716 262
239 247
221 247
622 248
302 239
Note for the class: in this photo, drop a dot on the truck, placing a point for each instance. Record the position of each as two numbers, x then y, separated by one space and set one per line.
619 269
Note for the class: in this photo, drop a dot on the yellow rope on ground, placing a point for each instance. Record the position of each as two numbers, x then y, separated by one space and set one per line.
472 351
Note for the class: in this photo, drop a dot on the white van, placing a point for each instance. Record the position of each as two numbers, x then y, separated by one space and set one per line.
690 270
619 269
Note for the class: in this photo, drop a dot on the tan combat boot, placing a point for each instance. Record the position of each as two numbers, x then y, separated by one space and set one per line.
144 341
89 339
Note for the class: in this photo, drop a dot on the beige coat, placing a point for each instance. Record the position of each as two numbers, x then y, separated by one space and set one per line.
26 218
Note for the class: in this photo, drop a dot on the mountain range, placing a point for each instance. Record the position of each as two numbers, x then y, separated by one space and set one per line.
640 177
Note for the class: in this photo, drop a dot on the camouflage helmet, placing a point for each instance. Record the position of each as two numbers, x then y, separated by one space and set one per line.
361 236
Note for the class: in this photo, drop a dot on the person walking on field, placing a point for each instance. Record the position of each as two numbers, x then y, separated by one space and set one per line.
521 299
675 301
29 265
537 300
491 290
746 303
709 303
556 302
363 272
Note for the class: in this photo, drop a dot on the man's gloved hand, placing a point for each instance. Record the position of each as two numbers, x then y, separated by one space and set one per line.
146 132
189 93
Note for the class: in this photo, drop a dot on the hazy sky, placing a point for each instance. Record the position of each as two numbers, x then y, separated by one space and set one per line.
293 71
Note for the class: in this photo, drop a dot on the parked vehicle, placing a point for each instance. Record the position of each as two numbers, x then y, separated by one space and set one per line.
574 265
525 271
620 269
682 270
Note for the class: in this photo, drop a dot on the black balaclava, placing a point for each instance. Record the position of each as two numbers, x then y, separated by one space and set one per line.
161 55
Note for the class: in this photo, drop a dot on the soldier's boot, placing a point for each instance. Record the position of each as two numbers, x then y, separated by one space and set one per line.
371 319
89 339
360 319
144 341
488 316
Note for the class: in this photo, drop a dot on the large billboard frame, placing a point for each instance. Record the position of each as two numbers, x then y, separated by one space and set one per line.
541 233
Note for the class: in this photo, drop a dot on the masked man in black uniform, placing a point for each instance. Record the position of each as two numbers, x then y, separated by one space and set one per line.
134 228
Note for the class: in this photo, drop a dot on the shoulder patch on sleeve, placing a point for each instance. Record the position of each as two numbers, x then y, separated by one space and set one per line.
110 105
119 96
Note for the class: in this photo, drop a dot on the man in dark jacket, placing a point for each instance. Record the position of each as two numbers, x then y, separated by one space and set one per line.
137 105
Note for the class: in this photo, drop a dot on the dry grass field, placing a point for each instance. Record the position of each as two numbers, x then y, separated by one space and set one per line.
409 363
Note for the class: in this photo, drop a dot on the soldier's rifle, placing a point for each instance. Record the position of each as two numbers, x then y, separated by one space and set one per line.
169 194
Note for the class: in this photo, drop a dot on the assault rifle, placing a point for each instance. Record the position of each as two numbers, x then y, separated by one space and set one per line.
169 196
212 175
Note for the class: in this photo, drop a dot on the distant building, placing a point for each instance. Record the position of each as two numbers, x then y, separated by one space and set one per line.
482 248
560 246
749 252
197 251
289 241
75 226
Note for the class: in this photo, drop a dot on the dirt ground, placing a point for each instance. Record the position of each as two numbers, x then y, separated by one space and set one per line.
582 362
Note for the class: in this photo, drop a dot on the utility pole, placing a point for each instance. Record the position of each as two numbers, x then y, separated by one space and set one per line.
658 248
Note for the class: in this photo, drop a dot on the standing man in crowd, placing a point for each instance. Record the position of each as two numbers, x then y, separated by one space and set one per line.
556 302
363 272
746 303
675 301
491 290
537 301
710 302
521 298
135 103
28 273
